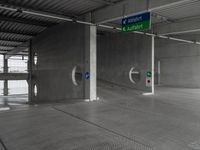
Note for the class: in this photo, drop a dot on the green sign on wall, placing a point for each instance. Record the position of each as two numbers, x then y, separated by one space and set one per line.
137 23
149 74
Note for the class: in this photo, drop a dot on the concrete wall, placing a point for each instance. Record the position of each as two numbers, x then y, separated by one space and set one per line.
180 63
59 49
118 53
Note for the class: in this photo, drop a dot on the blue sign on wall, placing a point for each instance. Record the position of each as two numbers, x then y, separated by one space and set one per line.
87 75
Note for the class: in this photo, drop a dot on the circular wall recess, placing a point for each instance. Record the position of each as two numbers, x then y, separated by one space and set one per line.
35 59
134 75
35 90
77 75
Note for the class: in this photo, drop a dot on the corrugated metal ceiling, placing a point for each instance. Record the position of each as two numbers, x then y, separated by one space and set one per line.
18 27
181 11
63 7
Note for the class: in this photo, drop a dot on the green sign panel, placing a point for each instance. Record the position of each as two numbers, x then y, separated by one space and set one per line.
149 74
141 26
137 23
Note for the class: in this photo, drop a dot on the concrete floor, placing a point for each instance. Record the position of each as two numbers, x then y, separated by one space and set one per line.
13 102
122 120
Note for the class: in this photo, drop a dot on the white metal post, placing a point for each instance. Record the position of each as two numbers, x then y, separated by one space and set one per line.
159 72
153 66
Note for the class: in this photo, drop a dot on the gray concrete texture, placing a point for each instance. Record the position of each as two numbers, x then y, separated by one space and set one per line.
123 119
59 50
62 47
179 63
118 52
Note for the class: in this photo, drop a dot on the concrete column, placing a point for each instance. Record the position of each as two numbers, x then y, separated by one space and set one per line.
5 89
5 70
90 63
30 64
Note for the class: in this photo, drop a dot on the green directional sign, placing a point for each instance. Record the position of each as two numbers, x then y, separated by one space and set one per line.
149 74
141 26
139 22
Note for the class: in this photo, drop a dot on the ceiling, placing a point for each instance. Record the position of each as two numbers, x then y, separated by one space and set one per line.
179 12
17 28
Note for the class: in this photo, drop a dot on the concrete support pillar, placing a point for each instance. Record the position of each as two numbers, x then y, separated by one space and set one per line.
5 89
90 63
30 64
5 70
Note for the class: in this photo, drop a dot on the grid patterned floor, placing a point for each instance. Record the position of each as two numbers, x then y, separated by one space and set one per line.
121 120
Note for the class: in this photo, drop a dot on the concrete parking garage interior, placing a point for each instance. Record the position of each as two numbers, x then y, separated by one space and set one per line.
91 86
